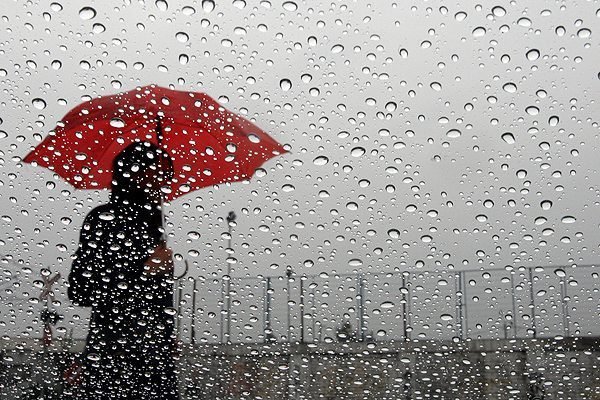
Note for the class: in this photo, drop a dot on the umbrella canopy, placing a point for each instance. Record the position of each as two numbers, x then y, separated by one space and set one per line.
207 143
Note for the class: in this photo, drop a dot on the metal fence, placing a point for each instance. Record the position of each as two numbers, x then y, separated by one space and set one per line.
524 302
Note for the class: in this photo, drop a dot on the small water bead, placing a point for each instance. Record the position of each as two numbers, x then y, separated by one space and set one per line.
182 37
508 138
117 123
357 151
509 87
488 203
87 13
568 219
387 304
394 233
584 33
208 5
479 32
187 11
498 11
38 103
426 239
290 6
553 120
546 205
98 28
533 54
285 84
338 48
453 133
532 110
521 174
162 5
320 160
355 262
460 16
306 78
524 21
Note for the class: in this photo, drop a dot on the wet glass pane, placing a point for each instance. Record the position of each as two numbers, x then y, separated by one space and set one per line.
260 199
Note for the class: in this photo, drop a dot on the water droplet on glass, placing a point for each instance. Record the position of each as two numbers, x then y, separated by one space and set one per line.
509 87
182 37
584 33
498 11
460 16
187 10
560 272
87 13
394 233
453 133
338 48
553 120
106 216
98 28
446 317
508 138
117 123
290 6
357 151
208 5
285 84
355 262
568 219
532 110
533 54
479 32
524 21
38 103
546 205
320 160
387 304
521 174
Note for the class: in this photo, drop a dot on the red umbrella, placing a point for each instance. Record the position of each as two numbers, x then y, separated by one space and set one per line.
208 144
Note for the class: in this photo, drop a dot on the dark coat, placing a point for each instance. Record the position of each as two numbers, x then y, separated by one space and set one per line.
132 314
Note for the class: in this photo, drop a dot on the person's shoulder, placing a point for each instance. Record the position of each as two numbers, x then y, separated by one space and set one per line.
98 214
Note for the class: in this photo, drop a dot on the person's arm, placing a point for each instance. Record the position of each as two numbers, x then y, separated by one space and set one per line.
83 276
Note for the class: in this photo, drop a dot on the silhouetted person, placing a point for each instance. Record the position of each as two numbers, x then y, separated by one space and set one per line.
123 271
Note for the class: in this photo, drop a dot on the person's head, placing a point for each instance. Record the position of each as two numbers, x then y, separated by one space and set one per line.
141 170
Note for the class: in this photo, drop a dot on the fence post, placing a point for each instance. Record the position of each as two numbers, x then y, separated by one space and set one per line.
565 306
532 305
404 291
302 278
268 332
465 299
458 294
360 334
514 309
288 274
193 327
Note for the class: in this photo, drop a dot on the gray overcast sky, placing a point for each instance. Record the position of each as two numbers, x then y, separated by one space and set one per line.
428 90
